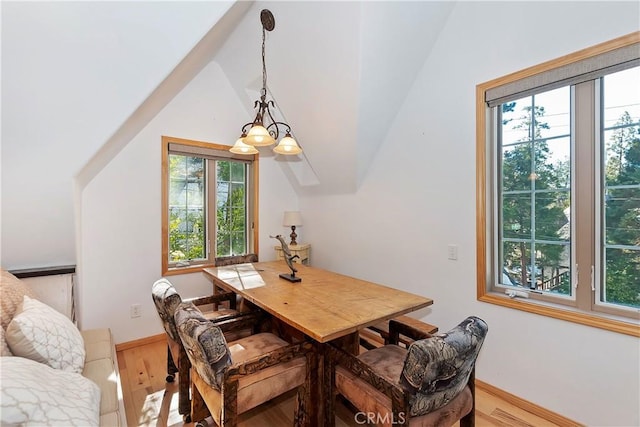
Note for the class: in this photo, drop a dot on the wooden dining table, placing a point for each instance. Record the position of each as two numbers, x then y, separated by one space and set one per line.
325 306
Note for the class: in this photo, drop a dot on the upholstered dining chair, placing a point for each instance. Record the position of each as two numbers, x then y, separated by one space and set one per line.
231 378
430 383
239 302
166 300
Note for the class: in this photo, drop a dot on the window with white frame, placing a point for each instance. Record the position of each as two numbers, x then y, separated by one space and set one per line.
559 187
209 204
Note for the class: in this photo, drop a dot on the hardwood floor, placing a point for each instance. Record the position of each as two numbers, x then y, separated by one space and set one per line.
150 401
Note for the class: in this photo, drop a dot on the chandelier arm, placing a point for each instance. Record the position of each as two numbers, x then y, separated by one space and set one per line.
246 127
275 132
285 125
262 107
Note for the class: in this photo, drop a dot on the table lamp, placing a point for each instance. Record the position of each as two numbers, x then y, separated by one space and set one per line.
292 219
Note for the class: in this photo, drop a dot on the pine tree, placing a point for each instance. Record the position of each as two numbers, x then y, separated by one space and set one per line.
622 213
526 170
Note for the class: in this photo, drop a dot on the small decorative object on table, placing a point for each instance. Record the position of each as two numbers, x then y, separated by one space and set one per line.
289 259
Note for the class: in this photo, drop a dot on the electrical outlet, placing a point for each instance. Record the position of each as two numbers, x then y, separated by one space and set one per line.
452 252
136 310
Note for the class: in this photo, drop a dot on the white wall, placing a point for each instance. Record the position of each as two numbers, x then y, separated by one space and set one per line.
393 230
72 72
120 251
419 196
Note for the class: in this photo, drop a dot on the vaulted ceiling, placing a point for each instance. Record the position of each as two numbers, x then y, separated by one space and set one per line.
87 77
339 72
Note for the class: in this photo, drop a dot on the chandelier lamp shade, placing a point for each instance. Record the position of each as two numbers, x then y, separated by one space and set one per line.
264 130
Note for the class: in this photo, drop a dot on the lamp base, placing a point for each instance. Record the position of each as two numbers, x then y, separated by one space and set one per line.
290 277
293 235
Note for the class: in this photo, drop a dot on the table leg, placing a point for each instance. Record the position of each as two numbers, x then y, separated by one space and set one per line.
349 343
326 376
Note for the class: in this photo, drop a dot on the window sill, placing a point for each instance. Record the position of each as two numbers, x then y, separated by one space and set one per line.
173 271
565 313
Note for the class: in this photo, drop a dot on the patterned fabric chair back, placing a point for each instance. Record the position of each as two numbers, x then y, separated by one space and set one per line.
166 300
204 343
436 369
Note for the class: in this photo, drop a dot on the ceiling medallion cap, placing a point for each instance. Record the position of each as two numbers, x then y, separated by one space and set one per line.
267 19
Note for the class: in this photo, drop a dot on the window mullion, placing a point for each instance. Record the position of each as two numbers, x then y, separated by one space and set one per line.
583 209
211 204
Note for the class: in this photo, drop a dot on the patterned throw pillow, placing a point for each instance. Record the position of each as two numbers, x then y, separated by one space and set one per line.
204 343
438 368
35 394
40 333
12 290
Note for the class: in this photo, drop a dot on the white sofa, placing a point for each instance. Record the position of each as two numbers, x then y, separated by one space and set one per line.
51 373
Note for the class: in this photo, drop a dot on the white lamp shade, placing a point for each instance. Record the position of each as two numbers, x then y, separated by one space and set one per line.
241 148
259 136
292 218
288 146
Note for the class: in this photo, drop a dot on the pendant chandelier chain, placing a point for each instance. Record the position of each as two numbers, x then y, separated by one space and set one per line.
264 64
265 129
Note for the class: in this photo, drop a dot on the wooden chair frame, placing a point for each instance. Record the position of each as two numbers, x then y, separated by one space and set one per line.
172 368
182 366
233 260
304 411
399 398
377 335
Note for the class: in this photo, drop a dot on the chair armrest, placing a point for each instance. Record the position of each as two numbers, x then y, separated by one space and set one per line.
399 327
266 360
211 299
364 372
237 321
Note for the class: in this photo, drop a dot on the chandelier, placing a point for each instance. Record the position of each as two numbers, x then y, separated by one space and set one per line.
264 130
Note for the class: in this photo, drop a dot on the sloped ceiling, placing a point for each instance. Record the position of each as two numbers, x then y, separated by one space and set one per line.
338 72
73 76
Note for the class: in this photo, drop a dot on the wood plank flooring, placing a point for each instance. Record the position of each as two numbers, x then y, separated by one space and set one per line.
150 401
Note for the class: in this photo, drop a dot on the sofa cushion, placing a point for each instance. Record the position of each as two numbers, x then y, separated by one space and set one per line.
98 344
12 291
36 394
4 347
103 373
40 333
100 367
110 419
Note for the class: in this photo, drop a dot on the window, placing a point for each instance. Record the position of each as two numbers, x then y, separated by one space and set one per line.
209 204
558 179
